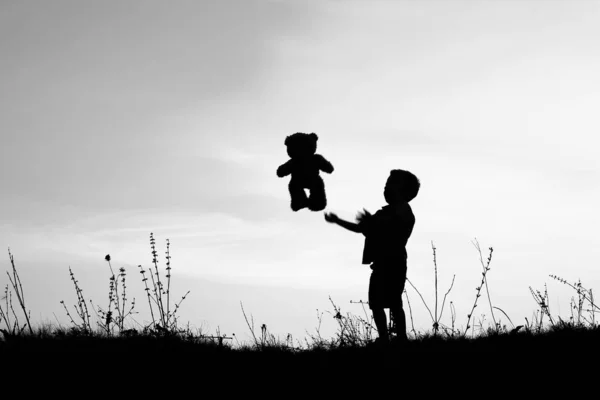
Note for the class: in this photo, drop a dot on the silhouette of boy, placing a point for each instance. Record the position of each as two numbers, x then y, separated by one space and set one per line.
386 234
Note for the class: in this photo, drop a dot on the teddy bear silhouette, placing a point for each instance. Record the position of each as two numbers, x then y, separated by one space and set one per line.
304 166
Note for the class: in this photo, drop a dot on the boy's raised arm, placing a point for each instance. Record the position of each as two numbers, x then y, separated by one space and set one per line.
351 226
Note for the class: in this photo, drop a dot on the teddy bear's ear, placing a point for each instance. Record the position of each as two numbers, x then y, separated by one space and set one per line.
314 136
287 141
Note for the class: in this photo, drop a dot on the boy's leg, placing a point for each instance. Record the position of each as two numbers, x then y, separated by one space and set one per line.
397 312
376 304
399 318
381 323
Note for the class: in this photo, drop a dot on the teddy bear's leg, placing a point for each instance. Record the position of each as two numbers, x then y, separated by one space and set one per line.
299 200
317 200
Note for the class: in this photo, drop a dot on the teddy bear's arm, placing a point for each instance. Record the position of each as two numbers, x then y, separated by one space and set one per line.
324 165
284 169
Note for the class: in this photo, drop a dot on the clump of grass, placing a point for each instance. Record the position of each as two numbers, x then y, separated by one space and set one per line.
265 340
578 307
352 330
13 326
583 309
164 318
352 339
112 318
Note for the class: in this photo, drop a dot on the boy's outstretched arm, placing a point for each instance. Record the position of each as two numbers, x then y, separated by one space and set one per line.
351 226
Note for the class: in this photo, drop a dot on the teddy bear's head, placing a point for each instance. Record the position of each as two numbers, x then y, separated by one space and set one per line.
301 144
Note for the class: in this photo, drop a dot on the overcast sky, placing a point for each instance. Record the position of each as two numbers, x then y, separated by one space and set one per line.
121 118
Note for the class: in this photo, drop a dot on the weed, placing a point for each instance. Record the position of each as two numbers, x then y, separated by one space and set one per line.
164 320
13 326
81 308
486 268
435 317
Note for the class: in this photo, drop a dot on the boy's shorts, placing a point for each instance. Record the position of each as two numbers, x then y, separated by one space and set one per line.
386 287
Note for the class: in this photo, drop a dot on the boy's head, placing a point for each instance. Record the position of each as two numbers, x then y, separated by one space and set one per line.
401 185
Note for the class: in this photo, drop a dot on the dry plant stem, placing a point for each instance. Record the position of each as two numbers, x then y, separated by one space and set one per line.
81 308
543 303
592 311
4 315
251 327
453 313
435 322
100 315
505 314
155 298
483 280
339 318
485 268
14 313
423 300
177 307
121 322
147 289
113 288
12 326
444 302
319 339
368 326
354 331
578 288
16 283
412 322
157 284
168 275
68 314
434 318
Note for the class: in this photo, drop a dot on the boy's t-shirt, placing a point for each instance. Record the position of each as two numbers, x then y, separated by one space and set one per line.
386 234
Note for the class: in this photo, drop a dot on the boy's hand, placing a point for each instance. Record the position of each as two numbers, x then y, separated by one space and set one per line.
331 217
362 216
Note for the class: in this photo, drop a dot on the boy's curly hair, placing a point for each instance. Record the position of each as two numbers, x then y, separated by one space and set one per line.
409 181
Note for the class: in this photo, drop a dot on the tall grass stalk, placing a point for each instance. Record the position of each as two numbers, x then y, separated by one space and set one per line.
486 268
81 308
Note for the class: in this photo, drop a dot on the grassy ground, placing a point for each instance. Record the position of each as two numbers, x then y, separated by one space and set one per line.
354 343
556 338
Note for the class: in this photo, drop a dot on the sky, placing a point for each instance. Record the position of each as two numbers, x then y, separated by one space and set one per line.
123 118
